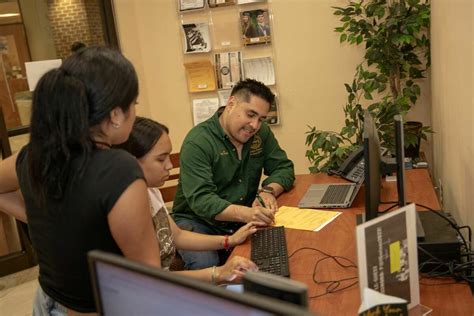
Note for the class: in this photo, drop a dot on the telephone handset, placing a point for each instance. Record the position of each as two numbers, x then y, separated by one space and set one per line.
352 168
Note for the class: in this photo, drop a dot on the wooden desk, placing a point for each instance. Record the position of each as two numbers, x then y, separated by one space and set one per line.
338 239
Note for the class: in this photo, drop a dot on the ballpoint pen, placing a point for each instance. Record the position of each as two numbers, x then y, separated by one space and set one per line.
260 200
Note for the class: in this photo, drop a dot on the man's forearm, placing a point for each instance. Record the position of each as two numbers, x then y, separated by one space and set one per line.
233 213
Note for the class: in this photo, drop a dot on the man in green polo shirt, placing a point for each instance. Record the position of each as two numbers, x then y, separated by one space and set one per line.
221 162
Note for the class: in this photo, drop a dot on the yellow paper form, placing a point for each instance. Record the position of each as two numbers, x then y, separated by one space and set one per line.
305 219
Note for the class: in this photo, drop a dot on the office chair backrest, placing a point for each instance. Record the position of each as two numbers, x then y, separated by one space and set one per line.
169 189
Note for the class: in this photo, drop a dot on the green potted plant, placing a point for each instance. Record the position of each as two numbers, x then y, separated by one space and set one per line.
397 54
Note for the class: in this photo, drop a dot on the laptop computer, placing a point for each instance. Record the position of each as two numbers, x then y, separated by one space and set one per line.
330 195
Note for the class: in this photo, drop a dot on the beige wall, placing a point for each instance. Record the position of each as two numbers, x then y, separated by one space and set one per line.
453 101
310 64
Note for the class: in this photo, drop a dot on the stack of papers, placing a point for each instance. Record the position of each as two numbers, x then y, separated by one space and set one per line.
304 219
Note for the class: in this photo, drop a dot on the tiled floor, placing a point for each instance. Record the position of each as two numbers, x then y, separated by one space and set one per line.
17 292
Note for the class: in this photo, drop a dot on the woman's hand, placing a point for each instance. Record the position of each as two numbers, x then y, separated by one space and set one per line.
241 235
234 269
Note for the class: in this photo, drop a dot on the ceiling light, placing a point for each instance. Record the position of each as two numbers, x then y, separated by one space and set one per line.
8 15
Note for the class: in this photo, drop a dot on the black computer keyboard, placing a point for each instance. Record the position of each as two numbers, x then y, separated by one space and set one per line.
269 250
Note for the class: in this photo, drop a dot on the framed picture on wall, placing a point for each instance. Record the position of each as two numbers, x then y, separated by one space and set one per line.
228 69
273 116
220 3
189 5
250 1
255 26
260 69
196 38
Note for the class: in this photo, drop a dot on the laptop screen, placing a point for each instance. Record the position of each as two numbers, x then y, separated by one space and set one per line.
123 287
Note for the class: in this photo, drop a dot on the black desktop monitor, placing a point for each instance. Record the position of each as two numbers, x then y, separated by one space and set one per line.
123 287
400 153
372 167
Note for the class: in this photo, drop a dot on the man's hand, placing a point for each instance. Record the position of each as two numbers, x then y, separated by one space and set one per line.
245 214
260 214
269 200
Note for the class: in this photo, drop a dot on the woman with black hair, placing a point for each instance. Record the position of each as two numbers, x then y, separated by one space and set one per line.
150 143
79 194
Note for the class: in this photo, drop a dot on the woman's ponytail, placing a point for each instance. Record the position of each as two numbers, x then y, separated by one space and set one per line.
59 131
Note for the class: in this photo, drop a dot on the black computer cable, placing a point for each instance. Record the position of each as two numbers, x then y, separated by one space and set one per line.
442 268
333 285
388 202
388 209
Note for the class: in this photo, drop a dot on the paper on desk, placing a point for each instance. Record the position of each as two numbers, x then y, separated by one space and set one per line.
305 219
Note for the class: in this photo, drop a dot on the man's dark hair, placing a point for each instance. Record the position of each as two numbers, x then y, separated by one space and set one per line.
245 89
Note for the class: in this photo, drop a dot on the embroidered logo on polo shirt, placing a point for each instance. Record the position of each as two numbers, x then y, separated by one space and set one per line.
223 152
256 146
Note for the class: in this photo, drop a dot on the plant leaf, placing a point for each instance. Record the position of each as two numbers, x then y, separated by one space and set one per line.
348 88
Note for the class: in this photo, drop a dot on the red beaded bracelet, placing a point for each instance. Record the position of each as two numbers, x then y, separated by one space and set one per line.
226 242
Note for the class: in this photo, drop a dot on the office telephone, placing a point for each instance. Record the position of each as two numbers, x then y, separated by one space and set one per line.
352 168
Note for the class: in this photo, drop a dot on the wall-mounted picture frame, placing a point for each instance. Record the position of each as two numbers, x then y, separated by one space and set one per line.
190 5
220 3
228 69
260 69
255 27
250 1
196 38
273 116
